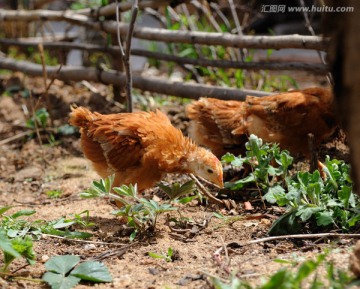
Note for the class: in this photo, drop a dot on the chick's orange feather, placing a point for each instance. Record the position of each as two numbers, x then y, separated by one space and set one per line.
285 118
141 147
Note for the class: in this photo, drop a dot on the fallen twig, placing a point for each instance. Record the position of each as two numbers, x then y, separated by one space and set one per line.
205 192
117 252
15 137
82 241
217 258
298 236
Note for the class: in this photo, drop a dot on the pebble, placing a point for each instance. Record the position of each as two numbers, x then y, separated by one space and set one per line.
44 258
89 247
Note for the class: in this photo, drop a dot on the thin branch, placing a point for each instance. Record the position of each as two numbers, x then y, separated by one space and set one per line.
318 69
45 78
127 64
110 9
15 137
79 73
205 192
312 32
82 241
237 25
122 53
300 236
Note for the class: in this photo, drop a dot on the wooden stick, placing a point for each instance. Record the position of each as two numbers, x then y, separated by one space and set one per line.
165 35
300 236
186 90
319 69
126 58
110 9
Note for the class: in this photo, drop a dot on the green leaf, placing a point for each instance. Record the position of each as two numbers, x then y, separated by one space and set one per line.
354 220
155 255
4 209
281 279
345 194
62 264
59 281
324 218
92 271
24 246
286 224
227 158
23 213
219 215
305 270
6 246
276 194
306 212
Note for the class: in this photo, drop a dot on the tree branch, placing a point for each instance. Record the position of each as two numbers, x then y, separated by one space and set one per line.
319 69
110 9
185 90
127 64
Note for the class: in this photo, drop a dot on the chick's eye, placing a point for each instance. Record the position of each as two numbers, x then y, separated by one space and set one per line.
210 171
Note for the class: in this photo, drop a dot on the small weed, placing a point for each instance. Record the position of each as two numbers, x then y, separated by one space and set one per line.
179 193
168 257
66 271
267 162
14 226
85 223
53 194
41 117
141 214
15 248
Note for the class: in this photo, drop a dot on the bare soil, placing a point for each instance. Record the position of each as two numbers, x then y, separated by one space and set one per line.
28 170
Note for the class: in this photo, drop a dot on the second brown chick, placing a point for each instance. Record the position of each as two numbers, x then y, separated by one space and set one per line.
285 118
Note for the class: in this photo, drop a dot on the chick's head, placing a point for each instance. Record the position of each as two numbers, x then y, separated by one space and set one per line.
205 164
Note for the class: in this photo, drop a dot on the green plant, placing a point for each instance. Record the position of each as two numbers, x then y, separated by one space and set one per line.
41 117
168 257
83 222
328 202
14 226
268 164
309 197
296 277
53 194
65 272
15 248
179 192
141 213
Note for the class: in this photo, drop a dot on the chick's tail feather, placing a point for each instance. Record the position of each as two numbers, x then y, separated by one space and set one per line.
80 116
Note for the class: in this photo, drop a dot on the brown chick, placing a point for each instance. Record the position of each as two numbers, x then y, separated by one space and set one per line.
285 118
141 147
213 121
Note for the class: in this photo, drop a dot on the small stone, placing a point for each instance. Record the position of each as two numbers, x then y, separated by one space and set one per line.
44 258
89 247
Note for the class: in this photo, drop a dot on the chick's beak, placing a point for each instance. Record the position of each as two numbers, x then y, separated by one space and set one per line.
219 181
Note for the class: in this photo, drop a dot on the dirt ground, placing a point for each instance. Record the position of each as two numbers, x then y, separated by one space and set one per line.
28 170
